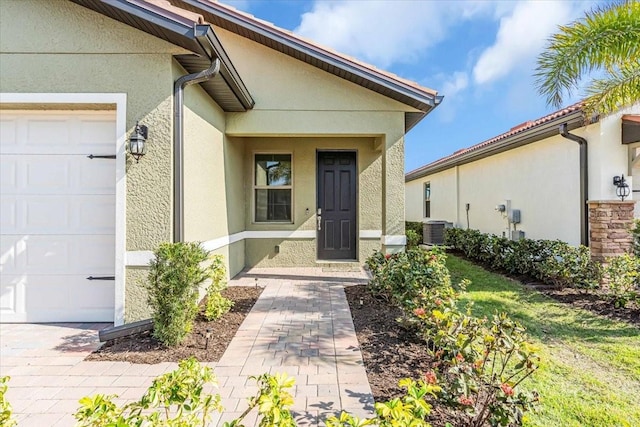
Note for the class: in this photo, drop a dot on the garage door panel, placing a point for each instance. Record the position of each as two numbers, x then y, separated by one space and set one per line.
46 214
32 215
96 213
47 132
57 298
48 174
57 224
11 286
44 174
8 174
95 254
57 133
97 135
95 176
8 132
8 218
58 254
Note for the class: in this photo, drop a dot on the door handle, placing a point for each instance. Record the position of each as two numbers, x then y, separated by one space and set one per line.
319 220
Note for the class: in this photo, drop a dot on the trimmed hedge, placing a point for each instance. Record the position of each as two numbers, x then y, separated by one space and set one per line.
551 261
415 226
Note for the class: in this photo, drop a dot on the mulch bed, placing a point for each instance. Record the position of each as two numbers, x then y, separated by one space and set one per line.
391 352
595 300
144 348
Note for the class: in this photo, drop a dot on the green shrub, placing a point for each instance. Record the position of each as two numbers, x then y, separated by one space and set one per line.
273 401
635 232
413 240
404 276
416 227
623 274
217 305
551 261
483 378
483 362
5 407
174 399
175 275
409 410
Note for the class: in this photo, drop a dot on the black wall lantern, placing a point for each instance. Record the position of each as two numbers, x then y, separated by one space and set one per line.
138 142
622 188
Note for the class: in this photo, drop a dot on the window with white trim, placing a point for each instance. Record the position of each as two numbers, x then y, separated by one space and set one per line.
427 199
272 188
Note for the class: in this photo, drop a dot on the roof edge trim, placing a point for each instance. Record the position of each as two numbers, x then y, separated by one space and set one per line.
301 46
206 36
574 120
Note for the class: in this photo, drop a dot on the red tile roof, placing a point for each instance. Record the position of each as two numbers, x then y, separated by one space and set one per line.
177 13
528 125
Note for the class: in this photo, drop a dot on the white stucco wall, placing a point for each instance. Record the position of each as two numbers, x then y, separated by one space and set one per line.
541 179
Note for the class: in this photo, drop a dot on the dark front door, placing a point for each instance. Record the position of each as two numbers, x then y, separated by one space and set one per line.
336 207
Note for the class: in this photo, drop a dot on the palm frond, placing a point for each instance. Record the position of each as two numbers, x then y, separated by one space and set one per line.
604 39
619 89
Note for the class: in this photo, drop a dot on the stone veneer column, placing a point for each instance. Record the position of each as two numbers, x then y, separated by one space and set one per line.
609 225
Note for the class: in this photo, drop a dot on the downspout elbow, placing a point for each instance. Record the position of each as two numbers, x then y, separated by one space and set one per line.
584 181
178 142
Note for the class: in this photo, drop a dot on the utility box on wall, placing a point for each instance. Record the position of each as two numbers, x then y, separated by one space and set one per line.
514 216
517 234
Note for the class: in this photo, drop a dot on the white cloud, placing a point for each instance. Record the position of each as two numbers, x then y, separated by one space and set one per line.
458 82
385 32
451 86
521 36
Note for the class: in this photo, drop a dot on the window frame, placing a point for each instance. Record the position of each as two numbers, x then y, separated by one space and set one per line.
255 187
426 201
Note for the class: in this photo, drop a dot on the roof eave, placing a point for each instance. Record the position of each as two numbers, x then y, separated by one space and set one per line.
406 94
545 130
197 38
227 71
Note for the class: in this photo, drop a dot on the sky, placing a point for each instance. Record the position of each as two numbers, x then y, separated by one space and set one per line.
481 55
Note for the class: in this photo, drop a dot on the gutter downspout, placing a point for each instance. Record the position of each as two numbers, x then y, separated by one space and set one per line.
178 142
584 182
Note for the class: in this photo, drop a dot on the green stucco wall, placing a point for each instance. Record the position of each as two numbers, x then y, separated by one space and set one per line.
302 251
70 49
299 109
60 47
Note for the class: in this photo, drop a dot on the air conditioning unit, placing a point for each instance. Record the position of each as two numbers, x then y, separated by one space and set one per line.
433 232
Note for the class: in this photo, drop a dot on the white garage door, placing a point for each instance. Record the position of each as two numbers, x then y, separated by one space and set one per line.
57 218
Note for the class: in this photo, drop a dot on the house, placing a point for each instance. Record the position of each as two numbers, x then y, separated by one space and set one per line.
271 150
539 179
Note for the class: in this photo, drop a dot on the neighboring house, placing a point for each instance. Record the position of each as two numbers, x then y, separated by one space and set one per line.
290 155
534 169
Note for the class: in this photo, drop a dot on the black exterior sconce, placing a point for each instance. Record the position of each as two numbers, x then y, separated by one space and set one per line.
138 141
622 188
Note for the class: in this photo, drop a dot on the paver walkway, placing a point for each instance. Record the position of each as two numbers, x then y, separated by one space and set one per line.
301 325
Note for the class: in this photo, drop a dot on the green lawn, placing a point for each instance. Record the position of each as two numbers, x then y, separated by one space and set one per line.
590 370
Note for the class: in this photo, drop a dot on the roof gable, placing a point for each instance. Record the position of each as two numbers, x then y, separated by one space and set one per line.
365 75
185 22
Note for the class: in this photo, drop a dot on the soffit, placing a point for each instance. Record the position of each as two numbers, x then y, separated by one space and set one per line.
180 28
630 128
